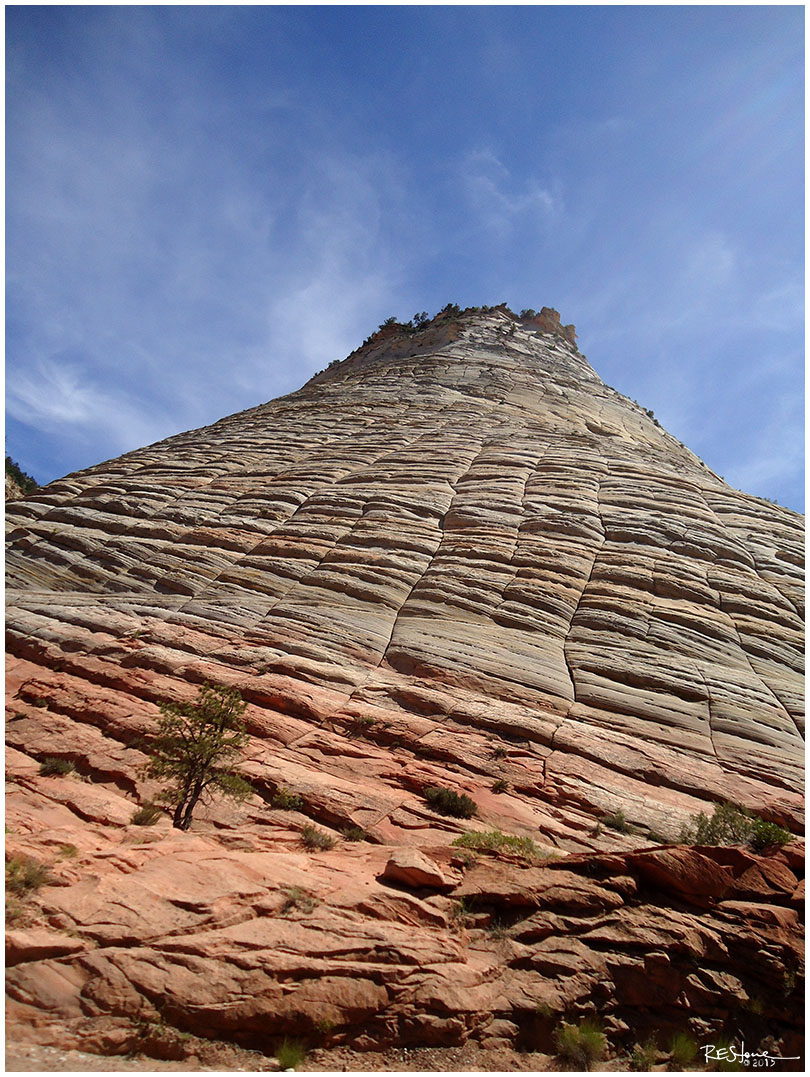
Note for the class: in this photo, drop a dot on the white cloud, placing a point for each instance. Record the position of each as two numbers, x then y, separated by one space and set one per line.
497 201
190 283
773 456
56 395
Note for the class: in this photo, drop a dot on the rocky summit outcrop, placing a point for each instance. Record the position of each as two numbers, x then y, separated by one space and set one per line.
456 559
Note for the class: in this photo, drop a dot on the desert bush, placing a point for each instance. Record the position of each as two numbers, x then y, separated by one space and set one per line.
460 915
68 850
765 834
500 785
290 1054
16 914
729 1060
296 898
286 801
682 1050
494 841
362 724
644 1056
147 815
313 838
446 802
355 833
580 1045
51 766
731 825
24 874
617 821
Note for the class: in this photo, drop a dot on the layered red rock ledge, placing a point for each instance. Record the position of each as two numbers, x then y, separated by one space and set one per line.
467 564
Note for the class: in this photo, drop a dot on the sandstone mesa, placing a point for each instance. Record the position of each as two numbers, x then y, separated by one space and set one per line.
456 559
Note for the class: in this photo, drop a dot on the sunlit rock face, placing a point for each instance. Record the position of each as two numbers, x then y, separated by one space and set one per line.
456 558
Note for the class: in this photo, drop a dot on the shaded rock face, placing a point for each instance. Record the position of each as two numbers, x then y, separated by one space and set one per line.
456 559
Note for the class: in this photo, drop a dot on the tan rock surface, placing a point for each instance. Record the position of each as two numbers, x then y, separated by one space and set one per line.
457 558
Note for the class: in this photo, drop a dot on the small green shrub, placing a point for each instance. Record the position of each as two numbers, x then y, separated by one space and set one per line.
362 724
424 751
499 752
729 1060
147 815
446 802
286 801
355 833
617 821
24 874
494 841
581 1045
460 914
765 834
15 911
68 850
682 1050
291 1054
644 1056
51 766
731 825
313 838
296 898
500 786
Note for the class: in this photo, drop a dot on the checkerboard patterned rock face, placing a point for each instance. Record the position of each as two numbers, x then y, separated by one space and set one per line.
456 559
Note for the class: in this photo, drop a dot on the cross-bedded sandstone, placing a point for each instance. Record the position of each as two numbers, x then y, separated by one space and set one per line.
456 558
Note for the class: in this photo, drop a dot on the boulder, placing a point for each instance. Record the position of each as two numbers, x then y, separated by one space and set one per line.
413 869
683 871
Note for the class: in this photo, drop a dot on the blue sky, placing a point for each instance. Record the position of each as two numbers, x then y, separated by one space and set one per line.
205 205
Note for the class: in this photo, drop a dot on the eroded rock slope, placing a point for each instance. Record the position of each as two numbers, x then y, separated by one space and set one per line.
456 558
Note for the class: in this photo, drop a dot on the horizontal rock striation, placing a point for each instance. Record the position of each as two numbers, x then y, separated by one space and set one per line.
456 558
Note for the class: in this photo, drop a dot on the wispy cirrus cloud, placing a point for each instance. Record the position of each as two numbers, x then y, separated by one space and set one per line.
499 201
204 205
166 279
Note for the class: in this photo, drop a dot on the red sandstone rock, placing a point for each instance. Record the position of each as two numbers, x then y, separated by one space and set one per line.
683 871
456 558
415 870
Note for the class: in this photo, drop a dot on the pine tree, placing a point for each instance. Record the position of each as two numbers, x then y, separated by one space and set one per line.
196 746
